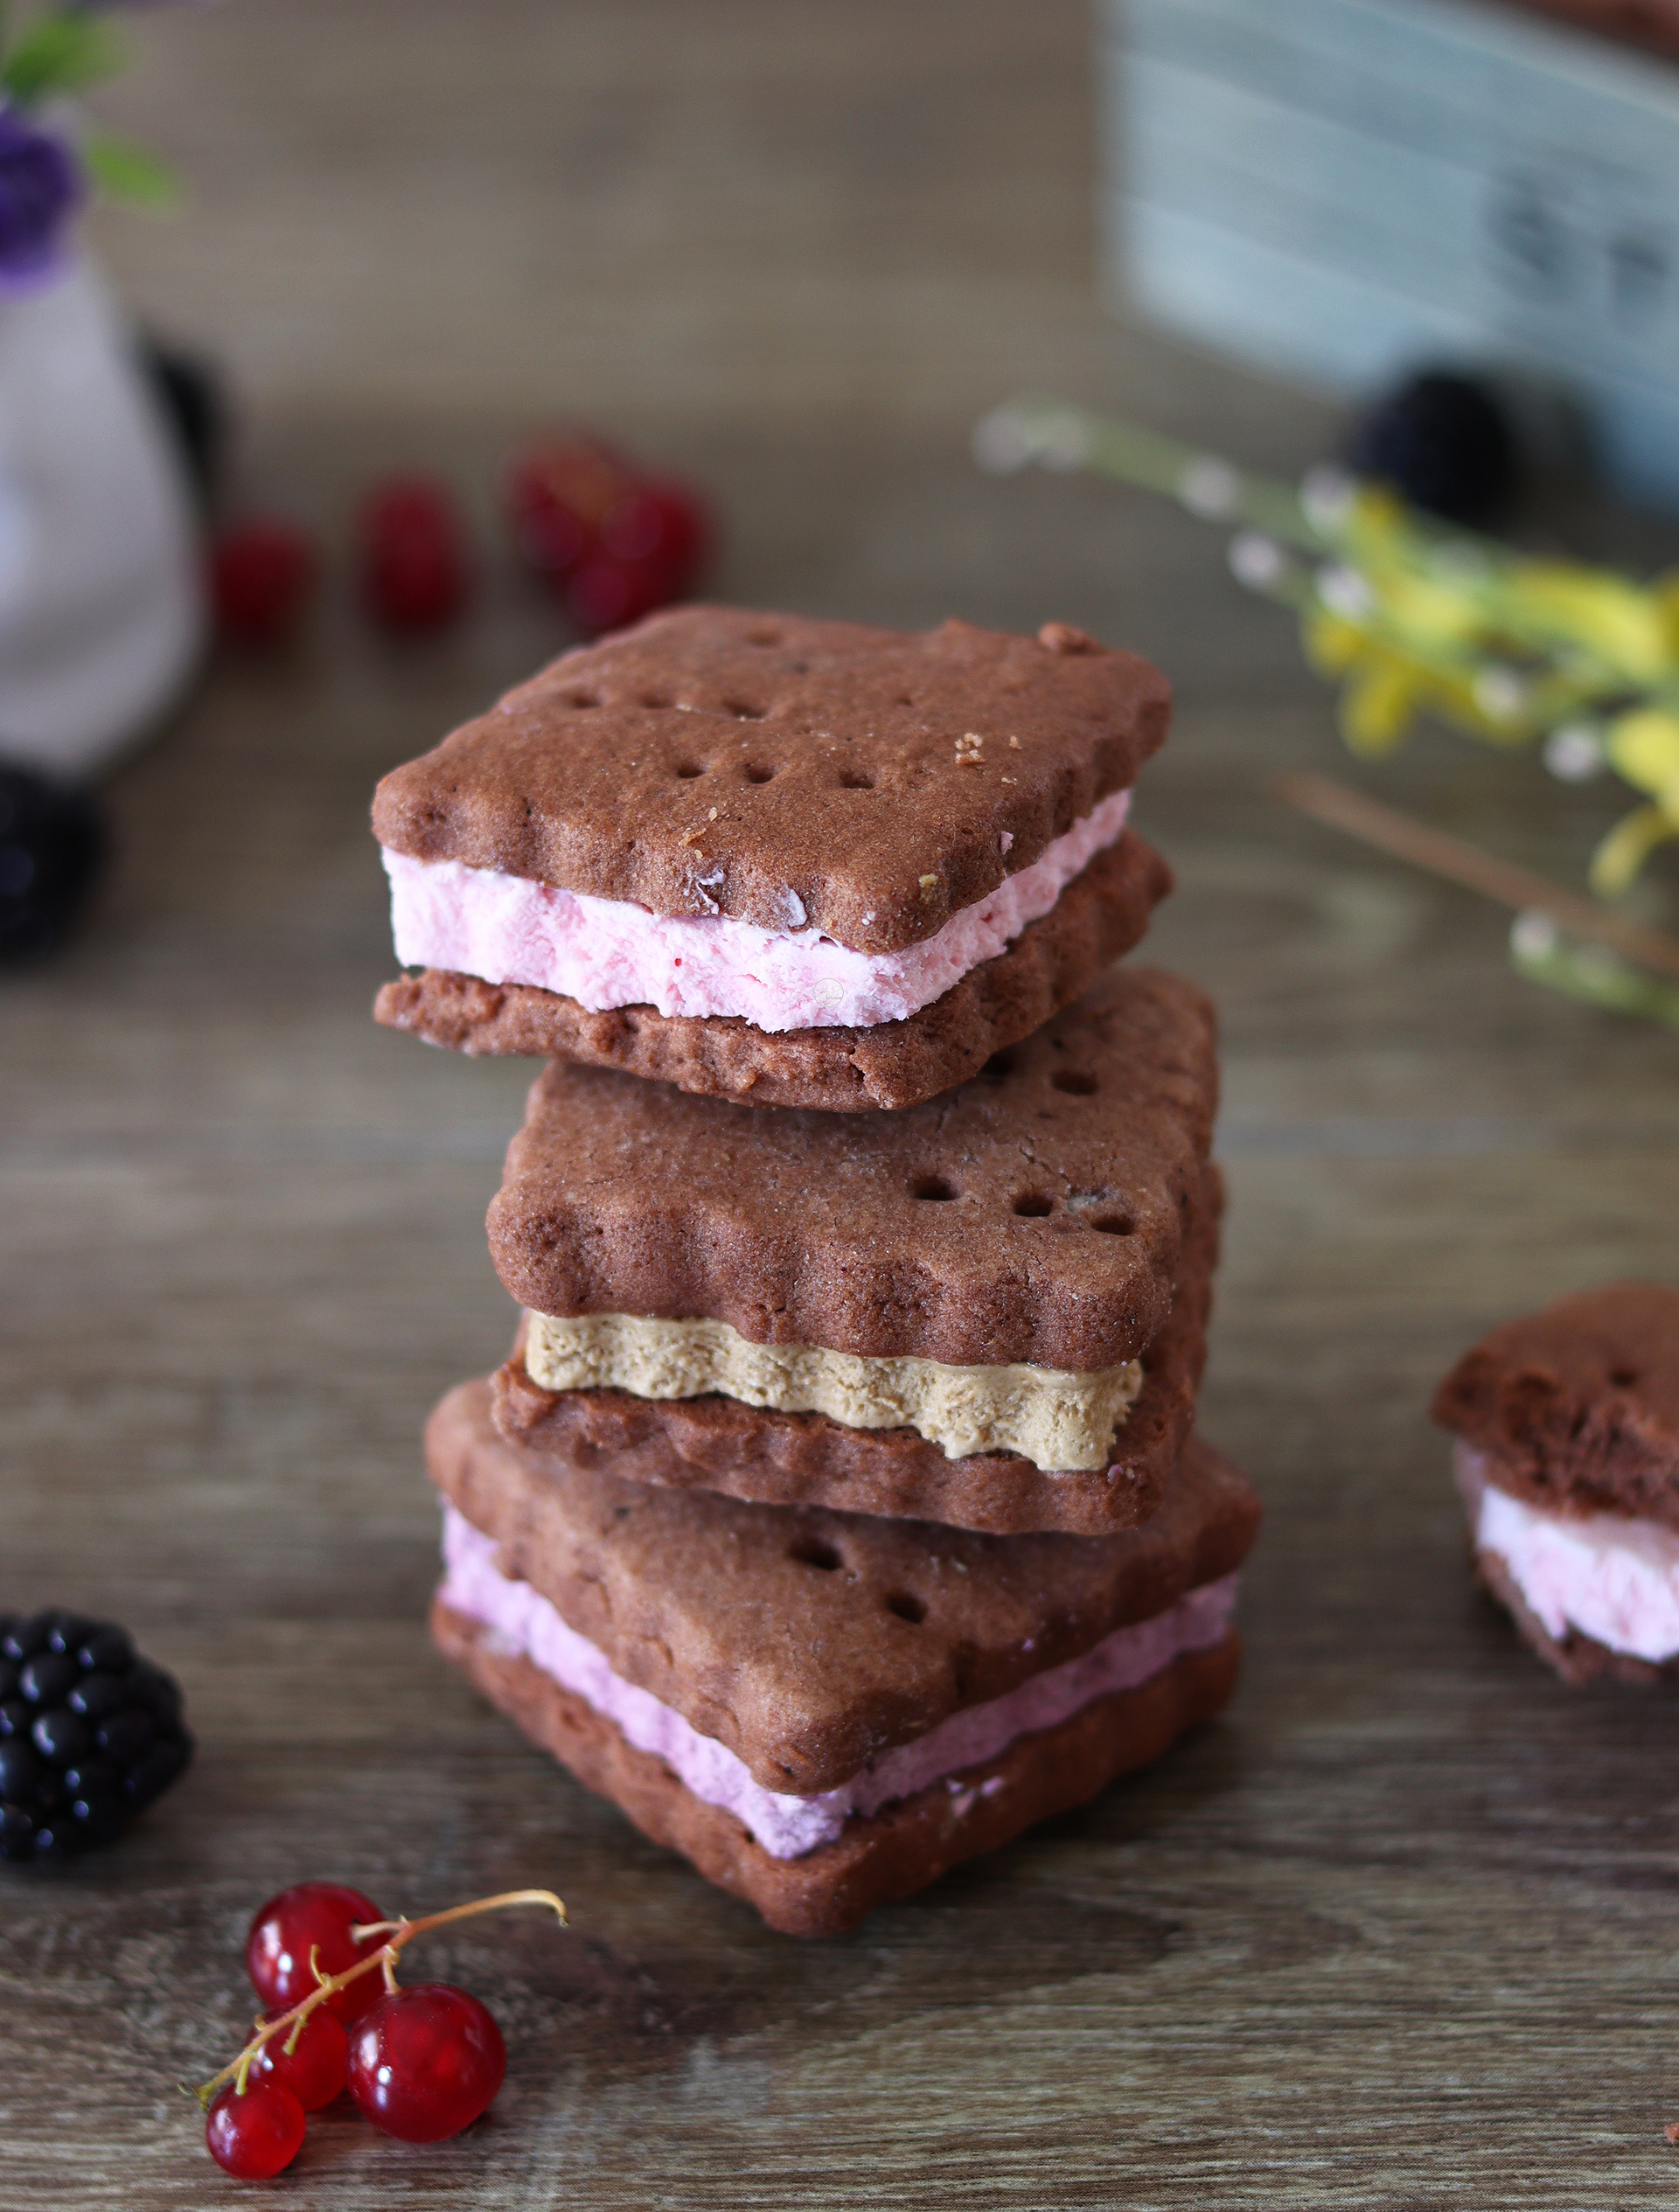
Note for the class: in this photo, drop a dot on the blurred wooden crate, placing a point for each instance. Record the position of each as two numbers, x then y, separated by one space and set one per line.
1338 190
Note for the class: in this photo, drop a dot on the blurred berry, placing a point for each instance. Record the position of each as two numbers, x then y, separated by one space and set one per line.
51 843
659 521
412 555
615 544
558 497
1442 442
262 574
606 594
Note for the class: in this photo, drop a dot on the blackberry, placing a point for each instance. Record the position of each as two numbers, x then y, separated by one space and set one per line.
90 1733
1442 441
52 842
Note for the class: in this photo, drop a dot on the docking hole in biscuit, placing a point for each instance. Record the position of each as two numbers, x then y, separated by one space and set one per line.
932 1186
1073 1083
813 1553
907 1608
742 713
1114 1224
852 779
1623 1378
1033 1205
687 771
761 774
582 699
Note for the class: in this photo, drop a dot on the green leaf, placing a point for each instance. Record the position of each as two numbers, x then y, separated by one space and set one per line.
59 54
128 172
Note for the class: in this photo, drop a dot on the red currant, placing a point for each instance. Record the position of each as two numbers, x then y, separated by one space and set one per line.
261 574
425 2061
311 1913
255 2135
413 555
314 2071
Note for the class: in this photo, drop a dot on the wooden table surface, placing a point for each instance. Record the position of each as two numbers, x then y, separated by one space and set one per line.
1398 1930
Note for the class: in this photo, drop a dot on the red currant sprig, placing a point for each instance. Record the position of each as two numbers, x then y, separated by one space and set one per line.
420 2062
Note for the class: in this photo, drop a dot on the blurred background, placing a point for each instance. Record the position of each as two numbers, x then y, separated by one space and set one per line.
781 257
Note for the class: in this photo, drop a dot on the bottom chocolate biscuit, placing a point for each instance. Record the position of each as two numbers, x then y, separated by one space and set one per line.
825 1709
877 1857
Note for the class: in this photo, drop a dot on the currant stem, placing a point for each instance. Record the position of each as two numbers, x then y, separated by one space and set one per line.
398 1933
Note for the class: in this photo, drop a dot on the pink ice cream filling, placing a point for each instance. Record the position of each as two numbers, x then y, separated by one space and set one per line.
522 1623
1612 1577
610 952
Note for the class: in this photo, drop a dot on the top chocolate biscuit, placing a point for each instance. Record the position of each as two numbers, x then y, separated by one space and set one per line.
1036 1213
1577 1406
869 783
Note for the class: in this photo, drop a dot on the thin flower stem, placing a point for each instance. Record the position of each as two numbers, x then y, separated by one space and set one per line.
398 1933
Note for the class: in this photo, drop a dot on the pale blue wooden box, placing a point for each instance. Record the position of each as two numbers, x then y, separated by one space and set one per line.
1339 190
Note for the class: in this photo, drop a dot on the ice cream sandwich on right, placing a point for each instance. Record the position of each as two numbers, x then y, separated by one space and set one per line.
1567 1455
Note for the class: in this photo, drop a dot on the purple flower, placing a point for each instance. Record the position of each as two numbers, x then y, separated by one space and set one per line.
40 188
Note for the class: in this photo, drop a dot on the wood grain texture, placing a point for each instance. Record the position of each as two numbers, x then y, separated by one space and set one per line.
1397 1930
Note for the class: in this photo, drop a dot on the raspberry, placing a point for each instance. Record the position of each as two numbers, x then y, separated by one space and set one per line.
617 545
261 576
606 595
1442 442
413 556
89 1734
558 497
652 543
659 521
51 843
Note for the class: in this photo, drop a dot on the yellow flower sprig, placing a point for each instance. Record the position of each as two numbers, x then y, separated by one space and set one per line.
1411 619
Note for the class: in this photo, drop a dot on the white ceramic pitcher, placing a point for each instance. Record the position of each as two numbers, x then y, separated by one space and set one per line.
101 614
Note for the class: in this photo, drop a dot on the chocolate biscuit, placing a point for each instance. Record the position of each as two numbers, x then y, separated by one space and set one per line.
1035 1214
1579 1405
808 1642
785 771
1577 1658
890 1854
1101 914
715 1442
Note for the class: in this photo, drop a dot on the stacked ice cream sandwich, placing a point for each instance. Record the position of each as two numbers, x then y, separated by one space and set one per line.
837 1514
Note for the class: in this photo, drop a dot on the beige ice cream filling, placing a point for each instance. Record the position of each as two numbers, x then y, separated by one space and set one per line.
1061 1421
